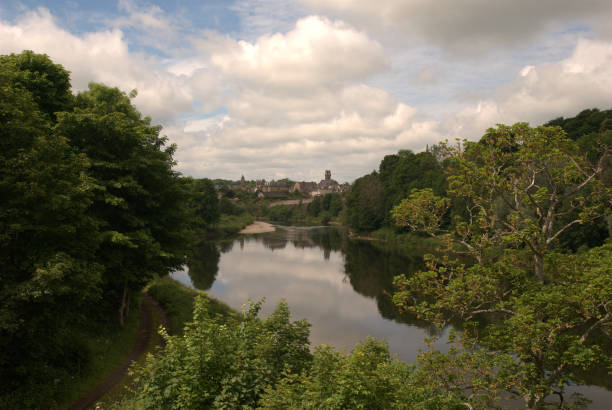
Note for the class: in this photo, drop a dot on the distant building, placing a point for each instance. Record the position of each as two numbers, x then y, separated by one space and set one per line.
328 185
276 186
305 188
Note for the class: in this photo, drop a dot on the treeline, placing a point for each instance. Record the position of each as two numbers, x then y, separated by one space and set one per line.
372 197
91 210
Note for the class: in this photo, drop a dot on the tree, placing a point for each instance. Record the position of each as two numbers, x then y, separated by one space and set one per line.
203 202
517 184
544 310
48 278
47 83
139 201
364 204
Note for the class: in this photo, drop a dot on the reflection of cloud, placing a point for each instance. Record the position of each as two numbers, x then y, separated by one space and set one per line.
315 289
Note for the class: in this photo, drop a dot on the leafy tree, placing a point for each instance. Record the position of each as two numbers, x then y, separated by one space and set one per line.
402 172
139 200
314 208
549 309
48 277
516 183
47 83
203 202
364 204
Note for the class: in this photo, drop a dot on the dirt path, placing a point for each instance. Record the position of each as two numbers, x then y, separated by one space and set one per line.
145 332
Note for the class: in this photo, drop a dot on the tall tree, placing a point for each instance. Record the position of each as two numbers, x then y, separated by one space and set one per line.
48 276
364 204
139 200
518 183
47 83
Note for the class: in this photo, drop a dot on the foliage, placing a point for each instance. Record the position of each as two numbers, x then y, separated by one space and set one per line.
267 363
90 210
203 204
178 301
328 203
404 172
367 378
139 200
373 196
543 310
364 204
586 122
48 279
223 365
46 82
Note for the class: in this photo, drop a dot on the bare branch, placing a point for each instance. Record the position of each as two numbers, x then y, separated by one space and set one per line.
560 231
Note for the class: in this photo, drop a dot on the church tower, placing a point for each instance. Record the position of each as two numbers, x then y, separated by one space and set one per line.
327 175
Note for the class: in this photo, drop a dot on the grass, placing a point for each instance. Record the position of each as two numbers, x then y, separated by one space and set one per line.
232 224
177 301
405 240
109 345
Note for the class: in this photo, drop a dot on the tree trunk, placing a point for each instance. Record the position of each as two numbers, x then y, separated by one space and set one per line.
538 262
123 304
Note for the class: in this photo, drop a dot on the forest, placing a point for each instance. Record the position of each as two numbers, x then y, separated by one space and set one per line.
517 225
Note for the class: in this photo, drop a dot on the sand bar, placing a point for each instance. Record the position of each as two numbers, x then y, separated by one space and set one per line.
259 227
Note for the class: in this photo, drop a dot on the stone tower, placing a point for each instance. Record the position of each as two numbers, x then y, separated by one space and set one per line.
327 175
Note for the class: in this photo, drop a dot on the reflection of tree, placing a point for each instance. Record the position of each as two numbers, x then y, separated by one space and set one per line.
370 269
227 245
204 264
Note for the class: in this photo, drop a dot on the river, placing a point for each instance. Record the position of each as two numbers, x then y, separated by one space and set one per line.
341 286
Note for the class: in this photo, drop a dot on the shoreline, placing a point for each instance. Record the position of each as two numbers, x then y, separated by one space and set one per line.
258 227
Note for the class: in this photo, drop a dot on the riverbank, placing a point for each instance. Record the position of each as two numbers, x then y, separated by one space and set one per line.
258 227
177 300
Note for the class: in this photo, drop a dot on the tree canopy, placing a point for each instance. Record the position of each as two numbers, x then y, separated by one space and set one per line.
521 188
91 210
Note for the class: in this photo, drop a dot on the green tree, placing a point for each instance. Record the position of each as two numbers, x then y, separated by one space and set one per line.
139 201
203 203
364 204
314 208
47 83
48 277
549 308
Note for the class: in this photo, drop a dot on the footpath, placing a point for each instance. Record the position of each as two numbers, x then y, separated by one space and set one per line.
145 332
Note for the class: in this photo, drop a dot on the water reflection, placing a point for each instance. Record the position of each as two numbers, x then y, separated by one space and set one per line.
341 286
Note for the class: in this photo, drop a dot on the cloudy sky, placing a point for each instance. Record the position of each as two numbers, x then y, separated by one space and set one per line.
281 88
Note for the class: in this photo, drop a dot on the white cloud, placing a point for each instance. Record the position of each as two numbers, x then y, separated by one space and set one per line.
545 91
316 53
296 103
101 57
469 26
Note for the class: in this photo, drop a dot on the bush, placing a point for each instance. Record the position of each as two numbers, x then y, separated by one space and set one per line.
250 362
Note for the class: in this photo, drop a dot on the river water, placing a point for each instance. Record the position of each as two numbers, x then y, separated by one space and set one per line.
341 286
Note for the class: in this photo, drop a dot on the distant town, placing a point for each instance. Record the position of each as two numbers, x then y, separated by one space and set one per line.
282 188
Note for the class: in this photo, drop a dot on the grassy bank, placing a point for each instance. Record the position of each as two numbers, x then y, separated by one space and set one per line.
231 224
404 240
177 301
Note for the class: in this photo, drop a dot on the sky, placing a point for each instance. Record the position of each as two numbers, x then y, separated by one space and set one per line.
287 89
